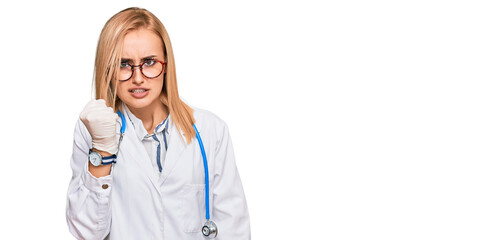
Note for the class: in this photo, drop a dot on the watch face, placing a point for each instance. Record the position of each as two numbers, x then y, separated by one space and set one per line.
95 158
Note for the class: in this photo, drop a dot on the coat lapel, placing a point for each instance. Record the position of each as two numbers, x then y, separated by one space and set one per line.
176 146
134 151
132 147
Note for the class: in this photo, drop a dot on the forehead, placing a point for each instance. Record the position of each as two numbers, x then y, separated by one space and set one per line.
140 43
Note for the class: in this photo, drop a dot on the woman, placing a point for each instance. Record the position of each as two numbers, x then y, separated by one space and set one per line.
150 183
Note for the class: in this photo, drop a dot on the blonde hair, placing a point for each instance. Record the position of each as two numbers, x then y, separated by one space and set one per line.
108 56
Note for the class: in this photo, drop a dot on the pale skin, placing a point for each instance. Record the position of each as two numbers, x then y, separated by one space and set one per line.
139 44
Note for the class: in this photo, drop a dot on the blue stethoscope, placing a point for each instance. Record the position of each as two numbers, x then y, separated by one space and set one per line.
209 229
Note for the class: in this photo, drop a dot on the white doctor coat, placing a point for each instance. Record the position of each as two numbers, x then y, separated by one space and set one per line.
134 202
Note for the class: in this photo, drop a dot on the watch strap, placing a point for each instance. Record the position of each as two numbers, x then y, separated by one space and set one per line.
109 160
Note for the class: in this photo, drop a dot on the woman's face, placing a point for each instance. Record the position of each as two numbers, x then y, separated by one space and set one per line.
139 91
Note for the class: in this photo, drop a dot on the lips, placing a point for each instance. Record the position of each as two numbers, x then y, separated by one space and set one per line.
139 92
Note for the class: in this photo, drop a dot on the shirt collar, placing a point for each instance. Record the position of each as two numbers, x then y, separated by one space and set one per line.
138 127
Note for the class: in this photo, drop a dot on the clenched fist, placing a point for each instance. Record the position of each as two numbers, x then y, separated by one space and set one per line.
101 121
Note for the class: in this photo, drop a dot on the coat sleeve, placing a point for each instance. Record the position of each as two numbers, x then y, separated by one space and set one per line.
230 211
88 212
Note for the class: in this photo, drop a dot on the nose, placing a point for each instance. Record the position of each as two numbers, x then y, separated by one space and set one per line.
137 77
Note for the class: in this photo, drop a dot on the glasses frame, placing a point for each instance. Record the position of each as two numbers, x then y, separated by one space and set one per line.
141 69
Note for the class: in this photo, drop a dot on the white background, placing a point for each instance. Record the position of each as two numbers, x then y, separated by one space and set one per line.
349 119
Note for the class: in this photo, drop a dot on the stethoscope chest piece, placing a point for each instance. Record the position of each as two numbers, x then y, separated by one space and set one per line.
210 229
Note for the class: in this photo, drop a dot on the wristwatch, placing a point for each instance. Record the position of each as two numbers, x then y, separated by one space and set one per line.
96 159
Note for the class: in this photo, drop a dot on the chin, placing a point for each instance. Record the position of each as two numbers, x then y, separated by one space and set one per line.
138 103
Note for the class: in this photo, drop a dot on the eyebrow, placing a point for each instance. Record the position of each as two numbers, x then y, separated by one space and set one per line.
144 58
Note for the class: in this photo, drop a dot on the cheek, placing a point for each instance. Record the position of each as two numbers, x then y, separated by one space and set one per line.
122 91
159 85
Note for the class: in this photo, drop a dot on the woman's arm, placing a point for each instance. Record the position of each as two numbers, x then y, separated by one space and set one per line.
230 211
88 210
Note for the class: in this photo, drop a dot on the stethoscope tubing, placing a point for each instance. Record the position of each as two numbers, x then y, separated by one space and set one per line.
206 180
123 120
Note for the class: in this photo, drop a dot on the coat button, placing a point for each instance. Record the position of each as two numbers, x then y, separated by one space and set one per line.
104 186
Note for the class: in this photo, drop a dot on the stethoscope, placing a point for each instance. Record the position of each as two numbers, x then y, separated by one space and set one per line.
209 229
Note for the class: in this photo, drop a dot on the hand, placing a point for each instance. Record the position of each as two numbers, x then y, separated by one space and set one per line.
101 122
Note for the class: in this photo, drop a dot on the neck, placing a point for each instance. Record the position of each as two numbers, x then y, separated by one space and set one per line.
151 115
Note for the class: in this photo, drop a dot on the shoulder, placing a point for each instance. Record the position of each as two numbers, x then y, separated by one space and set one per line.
206 118
209 122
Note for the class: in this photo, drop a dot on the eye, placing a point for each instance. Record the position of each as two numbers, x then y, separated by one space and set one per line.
149 62
124 64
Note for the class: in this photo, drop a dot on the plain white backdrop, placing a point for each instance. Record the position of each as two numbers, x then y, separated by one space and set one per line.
349 119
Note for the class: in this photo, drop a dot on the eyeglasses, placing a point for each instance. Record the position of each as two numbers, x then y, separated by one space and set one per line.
150 68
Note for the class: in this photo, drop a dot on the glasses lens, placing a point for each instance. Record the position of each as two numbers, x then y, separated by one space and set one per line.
125 72
152 69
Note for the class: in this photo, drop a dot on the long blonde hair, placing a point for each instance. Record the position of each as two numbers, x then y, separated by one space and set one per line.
108 56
